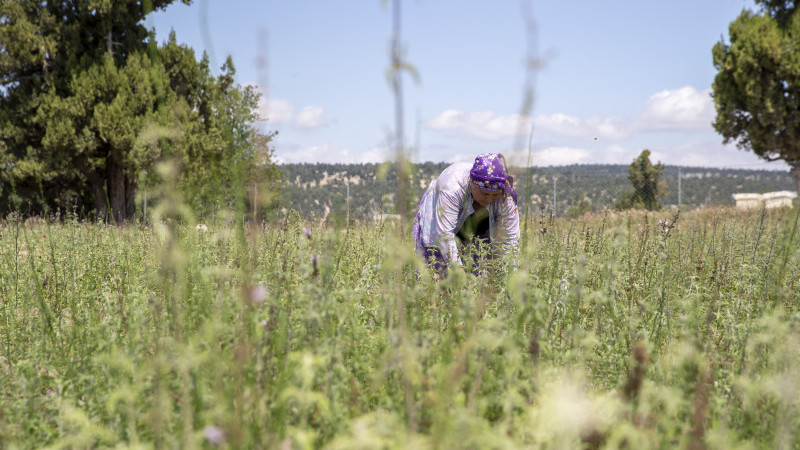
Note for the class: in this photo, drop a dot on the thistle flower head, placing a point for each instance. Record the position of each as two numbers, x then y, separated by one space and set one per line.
214 435
258 294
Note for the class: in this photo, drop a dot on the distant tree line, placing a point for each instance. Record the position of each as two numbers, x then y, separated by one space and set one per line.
319 191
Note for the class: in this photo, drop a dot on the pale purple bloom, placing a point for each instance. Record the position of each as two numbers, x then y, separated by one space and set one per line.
307 232
214 435
664 226
258 294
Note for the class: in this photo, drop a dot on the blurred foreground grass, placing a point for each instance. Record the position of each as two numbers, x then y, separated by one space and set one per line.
616 330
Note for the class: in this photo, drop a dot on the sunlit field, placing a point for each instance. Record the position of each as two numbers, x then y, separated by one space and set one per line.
617 329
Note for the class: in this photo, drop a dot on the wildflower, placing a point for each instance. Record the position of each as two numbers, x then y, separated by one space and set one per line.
307 232
264 323
201 228
258 294
543 230
214 435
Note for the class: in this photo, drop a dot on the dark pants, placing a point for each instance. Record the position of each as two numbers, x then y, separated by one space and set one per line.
472 235
475 237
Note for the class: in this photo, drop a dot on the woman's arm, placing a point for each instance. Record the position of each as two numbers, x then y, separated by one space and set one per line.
447 210
506 228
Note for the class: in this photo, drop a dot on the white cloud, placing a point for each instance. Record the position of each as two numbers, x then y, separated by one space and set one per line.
275 110
281 111
311 116
704 153
327 153
684 109
479 124
489 126
606 128
560 156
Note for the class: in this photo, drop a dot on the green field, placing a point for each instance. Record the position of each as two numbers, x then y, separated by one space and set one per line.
614 331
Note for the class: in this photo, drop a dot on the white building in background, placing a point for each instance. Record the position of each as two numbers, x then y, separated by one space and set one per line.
749 201
777 199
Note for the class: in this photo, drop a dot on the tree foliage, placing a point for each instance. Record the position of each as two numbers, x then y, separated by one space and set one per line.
757 87
582 206
89 104
647 189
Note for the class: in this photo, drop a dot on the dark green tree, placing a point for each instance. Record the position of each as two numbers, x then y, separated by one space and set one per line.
757 87
582 206
647 189
89 103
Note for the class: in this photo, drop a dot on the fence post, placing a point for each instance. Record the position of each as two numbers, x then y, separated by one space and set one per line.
555 184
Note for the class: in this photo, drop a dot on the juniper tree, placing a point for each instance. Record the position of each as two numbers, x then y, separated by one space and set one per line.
646 187
757 87
89 103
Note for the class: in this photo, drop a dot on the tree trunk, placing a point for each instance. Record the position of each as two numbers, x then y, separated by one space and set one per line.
99 193
130 198
120 188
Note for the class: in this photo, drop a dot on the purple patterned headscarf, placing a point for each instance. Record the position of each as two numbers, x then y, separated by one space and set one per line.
489 173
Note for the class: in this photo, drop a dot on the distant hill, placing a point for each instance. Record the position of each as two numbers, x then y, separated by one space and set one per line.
319 191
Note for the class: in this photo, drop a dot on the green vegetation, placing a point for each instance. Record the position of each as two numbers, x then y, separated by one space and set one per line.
579 208
318 191
264 330
620 329
757 86
90 104
646 188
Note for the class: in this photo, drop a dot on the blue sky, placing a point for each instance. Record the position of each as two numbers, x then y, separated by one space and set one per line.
612 77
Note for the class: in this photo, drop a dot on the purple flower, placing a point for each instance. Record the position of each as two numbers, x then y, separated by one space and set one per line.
214 435
307 232
258 294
